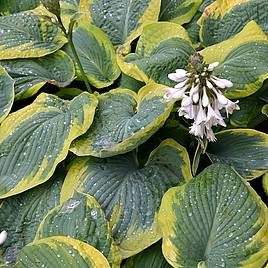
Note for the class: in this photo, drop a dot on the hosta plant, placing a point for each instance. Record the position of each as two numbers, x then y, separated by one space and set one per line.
133 134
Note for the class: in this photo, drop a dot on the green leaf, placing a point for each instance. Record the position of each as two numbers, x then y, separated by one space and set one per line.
123 121
52 6
265 183
162 48
223 19
130 194
215 220
242 60
245 149
20 215
130 83
31 74
151 257
6 93
81 218
121 20
60 252
36 138
29 35
68 93
15 6
68 8
96 54
250 109
265 109
179 11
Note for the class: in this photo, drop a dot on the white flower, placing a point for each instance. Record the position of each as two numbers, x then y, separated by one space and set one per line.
202 98
3 237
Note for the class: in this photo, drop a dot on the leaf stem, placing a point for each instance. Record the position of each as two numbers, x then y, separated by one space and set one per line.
70 39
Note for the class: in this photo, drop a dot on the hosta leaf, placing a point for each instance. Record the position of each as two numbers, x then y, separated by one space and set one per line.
68 8
36 138
215 220
6 93
60 252
21 215
265 109
151 257
245 149
242 60
130 83
81 218
130 195
162 48
265 183
96 54
223 19
123 121
15 6
178 11
121 20
31 74
28 35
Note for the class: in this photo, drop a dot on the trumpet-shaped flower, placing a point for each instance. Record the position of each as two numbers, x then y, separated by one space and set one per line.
202 97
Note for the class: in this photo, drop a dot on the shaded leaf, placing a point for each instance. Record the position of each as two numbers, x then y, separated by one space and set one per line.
245 149
31 74
15 6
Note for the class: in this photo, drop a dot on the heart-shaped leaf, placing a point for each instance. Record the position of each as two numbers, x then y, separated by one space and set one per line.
121 20
35 139
215 220
223 19
130 195
151 257
96 54
162 48
6 93
20 215
245 149
29 35
178 11
60 252
15 6
123 121
31 74
81 218
242 60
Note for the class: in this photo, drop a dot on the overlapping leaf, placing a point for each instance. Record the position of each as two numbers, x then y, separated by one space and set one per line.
242 60
215 220
96 54
35 139
130 195
149 258
223 19
81 218
60 252
123 121
245 149
29 35
68 8
121 20
21 215
178 11
31 74
14 6
162 48
6 93
265 183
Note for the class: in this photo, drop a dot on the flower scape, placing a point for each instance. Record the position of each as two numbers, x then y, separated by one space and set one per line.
133 134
